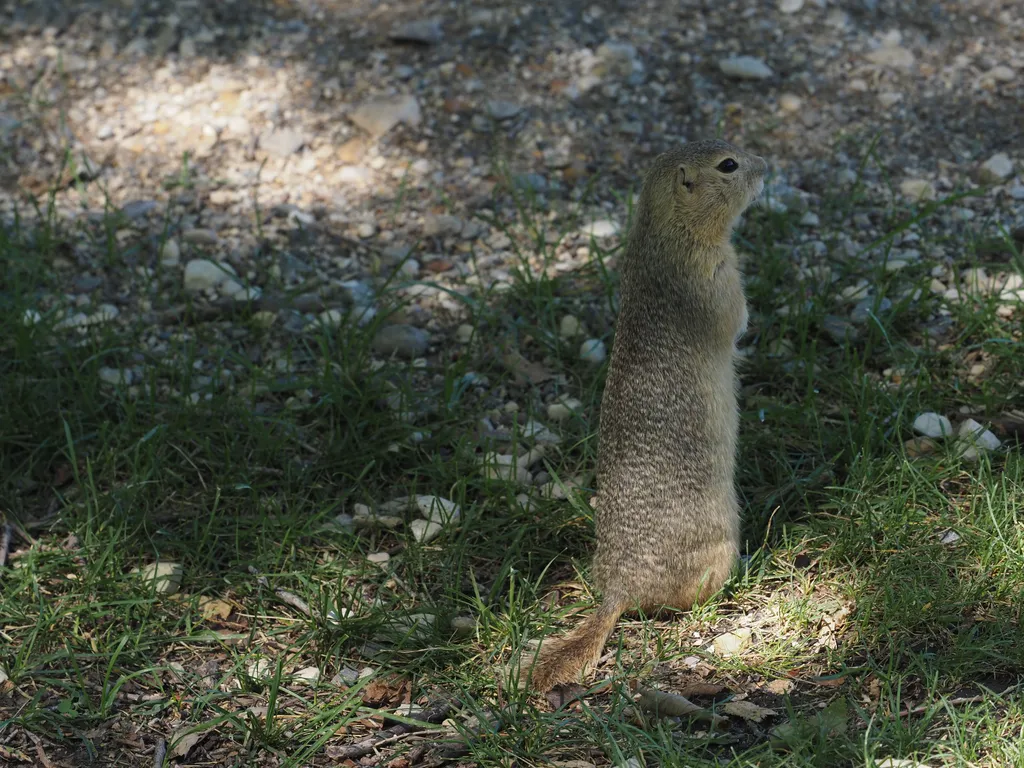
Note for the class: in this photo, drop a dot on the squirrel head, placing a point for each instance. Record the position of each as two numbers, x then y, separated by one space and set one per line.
698 190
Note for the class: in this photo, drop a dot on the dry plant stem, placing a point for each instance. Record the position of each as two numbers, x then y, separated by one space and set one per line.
436 714
5 543
159 753
289 598
40 752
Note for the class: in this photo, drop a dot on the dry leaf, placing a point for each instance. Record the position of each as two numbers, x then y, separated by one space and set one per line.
665 704
212 607
702 689
731 643
526 371
182 741
748 710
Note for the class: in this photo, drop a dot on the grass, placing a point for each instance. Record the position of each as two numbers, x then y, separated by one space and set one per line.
883 592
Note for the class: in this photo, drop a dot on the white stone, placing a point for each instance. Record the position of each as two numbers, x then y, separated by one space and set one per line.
378 116
1002 74
790 102
438 509
165 577
310 675
116 376
378 558
569 327
464 333
973 432
810 219
170 254
601 228
790 6
918 189
203 274
996 169
745 68
932 424
893 56
366 229
31 317
593 351
425 530
260 669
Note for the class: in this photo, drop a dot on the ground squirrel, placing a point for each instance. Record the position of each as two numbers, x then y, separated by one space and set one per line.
666 511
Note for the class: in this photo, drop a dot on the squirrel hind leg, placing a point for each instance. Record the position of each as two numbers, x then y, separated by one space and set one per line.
564 659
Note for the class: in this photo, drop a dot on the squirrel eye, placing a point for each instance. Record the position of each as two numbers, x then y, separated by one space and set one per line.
728 165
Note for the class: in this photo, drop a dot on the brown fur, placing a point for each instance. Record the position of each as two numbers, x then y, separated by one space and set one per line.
666 513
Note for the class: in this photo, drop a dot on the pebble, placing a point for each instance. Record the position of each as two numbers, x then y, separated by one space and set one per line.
563 409
203 274
974 433
933 425
425 530
996 169
136 209
423 31
31 317
569 327
442 225
810 219
464 333
401 340
790 6
200 236
892 56
164 576
502 109
379 558
170 254
601 228
745 68
282 142
593 351
731 643
378 116
116 376
866 307
839 328
366 230
790 102
438 509
309 675
918 189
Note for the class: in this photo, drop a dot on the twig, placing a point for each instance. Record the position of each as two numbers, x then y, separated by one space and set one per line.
40 753
432 716
290 598
159 753
5 543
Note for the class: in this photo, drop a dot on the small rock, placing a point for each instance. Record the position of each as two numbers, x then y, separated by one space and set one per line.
31 317
502 109
366 229
199 236
745 68
438 509
731 643
203 274
973 432
170 254
569 327
347 676
601 228
918 189
790 102
618 59
165 577
790 6
531 182
136 209
893 56
378 116
282 142
401 340
116 376
920 446
593 351
846 177
378 558
839 328
4 677
260 669
464 333
564 408
996 169
932 424
442 225
810 219
310 675
423 31
425 530
865 308
1002 74
949 537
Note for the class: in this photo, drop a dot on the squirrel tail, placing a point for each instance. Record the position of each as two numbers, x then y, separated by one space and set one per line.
563 659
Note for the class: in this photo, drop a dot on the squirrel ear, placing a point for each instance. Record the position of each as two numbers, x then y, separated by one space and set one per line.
686 178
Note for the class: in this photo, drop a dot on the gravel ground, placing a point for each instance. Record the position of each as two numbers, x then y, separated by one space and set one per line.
325 143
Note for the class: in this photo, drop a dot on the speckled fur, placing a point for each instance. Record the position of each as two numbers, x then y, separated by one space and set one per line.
667 514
